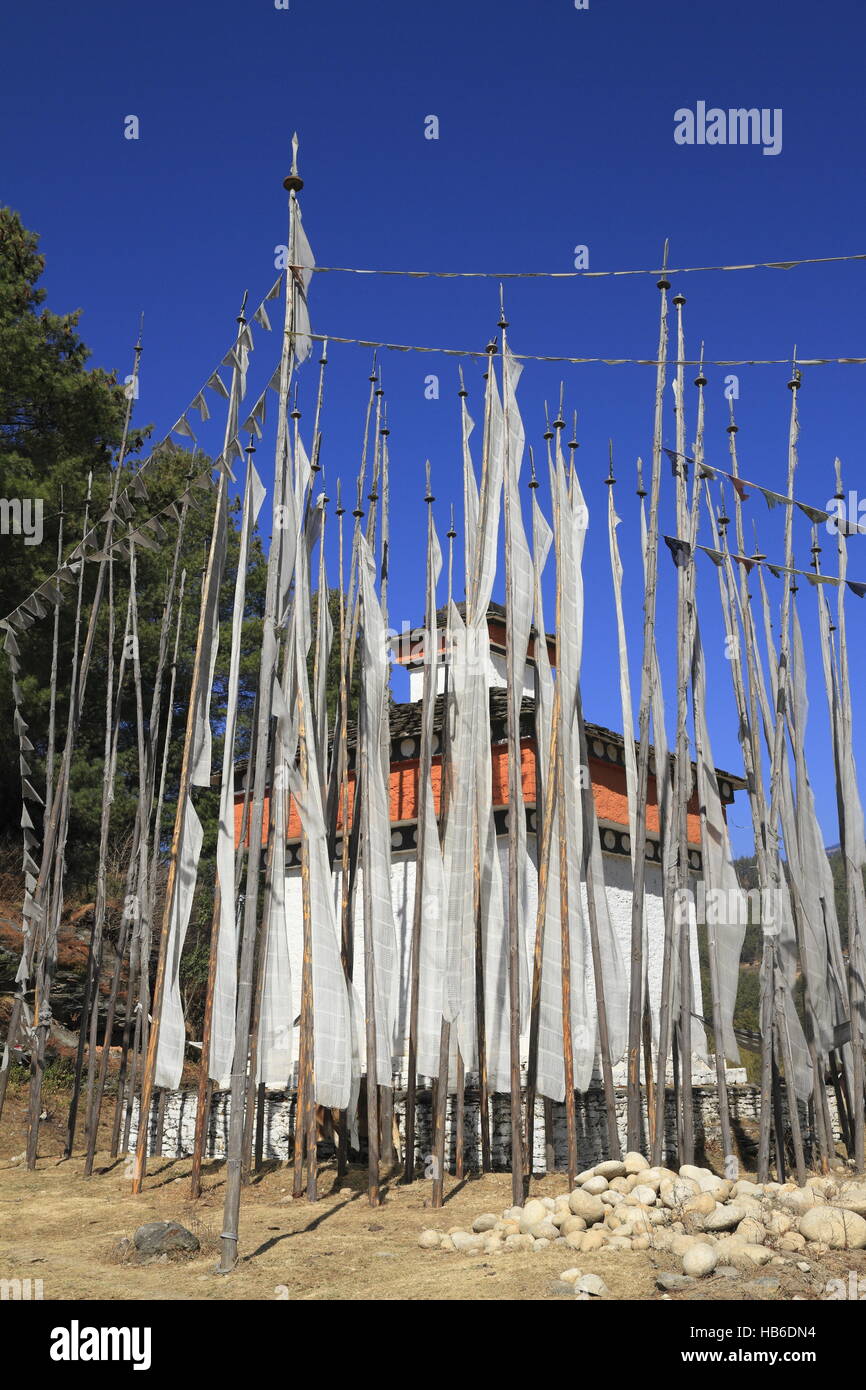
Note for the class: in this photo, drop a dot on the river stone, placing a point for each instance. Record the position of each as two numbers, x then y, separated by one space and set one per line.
792 1241
519 1242
430 1240
724 1218
672 1282
751 1231
574 1240
700 1205
596 1185
585 1204
618 1242
720 1188
612 1198
852 1198
648 1178
644 1194
466 1242
571 1224
485 1222
164 1238
841 1230
634 1162
512 1214
699 1260
744 1188
691 1170
591 1240
591 1283
542 1243
621 1185
584 1176
571 1276
544 1230
778 1223
611 1168
533 1212
802 1199
675 1194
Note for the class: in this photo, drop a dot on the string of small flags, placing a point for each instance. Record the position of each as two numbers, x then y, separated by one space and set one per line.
744 487
50 590
599 361
584 274
681 552
31 841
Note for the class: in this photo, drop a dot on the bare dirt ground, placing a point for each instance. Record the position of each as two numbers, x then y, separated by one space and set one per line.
60 1227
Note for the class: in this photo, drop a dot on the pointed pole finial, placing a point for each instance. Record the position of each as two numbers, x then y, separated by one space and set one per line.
733 427
663 282
759 554
140 331
503 322
533 481
293 183
242 314
340 508
428 496
796 376
701 379
452 530
610 479
641 490
839 489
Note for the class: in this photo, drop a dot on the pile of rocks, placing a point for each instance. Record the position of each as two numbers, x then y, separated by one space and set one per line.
704 1220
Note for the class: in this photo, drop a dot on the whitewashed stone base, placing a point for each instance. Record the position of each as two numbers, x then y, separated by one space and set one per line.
592 1132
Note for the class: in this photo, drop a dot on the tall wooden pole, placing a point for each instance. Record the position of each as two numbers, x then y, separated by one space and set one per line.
515 809
637 968
229 1238
425 764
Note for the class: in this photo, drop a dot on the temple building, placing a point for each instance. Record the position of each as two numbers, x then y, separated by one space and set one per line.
607 775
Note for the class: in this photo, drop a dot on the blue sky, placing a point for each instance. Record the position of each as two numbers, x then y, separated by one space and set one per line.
556 129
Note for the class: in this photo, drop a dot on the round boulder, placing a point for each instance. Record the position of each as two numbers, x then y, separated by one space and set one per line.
841 1230
699 1260
585 1204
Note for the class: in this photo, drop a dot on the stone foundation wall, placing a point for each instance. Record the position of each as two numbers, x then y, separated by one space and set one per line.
592 1127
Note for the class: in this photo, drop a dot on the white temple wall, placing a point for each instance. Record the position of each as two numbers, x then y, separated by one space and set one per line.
618 886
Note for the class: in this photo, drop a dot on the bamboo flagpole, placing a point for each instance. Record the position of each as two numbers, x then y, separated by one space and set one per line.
637 911
518 611
424 891
297 277
855 857
194 769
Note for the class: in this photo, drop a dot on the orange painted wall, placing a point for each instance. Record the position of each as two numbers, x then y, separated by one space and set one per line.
608 787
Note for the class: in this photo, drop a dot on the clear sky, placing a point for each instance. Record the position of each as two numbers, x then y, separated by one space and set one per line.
556 129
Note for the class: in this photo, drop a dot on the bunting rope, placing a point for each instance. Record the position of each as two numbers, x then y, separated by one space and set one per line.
601 361
681 551
742 485
584 274
32 607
